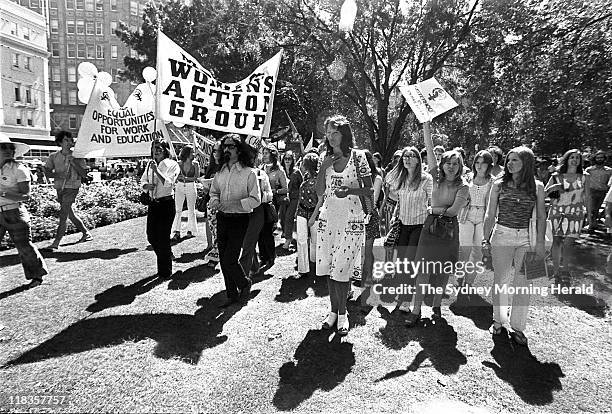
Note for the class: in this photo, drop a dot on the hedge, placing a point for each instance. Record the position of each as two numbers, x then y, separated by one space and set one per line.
98 204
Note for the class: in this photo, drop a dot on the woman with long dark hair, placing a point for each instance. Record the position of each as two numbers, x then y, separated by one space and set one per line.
343 182
287 215
511 204
568 207
413 187
158 179
186 190
438 244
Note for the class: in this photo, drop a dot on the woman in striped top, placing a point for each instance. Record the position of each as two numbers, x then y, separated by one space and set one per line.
414 188
513 198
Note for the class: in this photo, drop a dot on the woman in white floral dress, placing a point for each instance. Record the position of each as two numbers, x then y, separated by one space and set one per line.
343 184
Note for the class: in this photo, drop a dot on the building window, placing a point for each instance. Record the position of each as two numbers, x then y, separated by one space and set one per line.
91 52
70 27
54 26
99 51
133 54
99 28
133 8
79 5
17 93
113 51
27 62
71 47
72 97
89 5
34 4
69 4
113 4
81 50
53 4
99 5
18 115
57 97
113 27
15 60
113 73
30 120
72 121
26 33
14 29
28 92
89 27
71 73
55 74
55 50
80 27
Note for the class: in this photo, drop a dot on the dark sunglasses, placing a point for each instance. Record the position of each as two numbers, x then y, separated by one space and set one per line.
5 147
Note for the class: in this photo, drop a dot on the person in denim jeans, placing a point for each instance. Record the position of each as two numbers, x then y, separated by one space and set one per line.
513 198
14 218
471 219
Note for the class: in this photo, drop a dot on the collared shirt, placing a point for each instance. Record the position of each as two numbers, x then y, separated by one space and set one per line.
167 168
12 173
237 187
414 203
65 174
598 177
264 185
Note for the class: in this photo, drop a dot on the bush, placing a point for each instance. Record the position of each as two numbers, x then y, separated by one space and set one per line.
97 204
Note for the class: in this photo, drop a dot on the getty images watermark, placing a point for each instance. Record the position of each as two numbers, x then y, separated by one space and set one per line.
395 281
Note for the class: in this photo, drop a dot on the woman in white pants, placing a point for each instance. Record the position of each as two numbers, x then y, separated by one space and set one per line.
513 199
306 230
186 189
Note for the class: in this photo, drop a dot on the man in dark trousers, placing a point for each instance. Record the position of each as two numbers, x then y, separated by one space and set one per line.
235 193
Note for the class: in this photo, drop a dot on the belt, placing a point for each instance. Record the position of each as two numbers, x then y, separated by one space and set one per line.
222 214
186 182
160 199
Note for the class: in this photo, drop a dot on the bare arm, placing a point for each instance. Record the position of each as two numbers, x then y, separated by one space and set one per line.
491 212
541 218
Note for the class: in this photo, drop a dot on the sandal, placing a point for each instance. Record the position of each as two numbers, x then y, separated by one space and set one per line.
495 328
330 320
86 237
518 337
343 325
412 320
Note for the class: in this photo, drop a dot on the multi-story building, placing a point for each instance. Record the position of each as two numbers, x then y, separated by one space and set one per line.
24 87
79 31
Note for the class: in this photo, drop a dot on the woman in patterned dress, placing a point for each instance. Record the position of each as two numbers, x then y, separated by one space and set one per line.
567 211
212 256
343 179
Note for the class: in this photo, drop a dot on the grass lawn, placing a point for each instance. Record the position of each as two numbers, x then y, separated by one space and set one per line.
105 332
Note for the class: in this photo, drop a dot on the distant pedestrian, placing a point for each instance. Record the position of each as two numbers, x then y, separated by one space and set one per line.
598 176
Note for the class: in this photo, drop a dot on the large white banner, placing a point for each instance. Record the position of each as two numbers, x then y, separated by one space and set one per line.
427 99
109 130
187 93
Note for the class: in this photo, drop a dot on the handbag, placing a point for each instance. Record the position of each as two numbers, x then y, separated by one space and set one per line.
145 198
533 231
394 231
535 267
442 227
270 214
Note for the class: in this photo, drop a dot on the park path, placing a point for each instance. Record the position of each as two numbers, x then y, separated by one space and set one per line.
104 330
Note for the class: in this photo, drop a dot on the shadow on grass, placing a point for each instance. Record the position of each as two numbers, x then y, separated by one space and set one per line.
533 381
15 291
181 279
177 335
475 308
109 254
297 289
190 257
319 364
120 295
438 340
